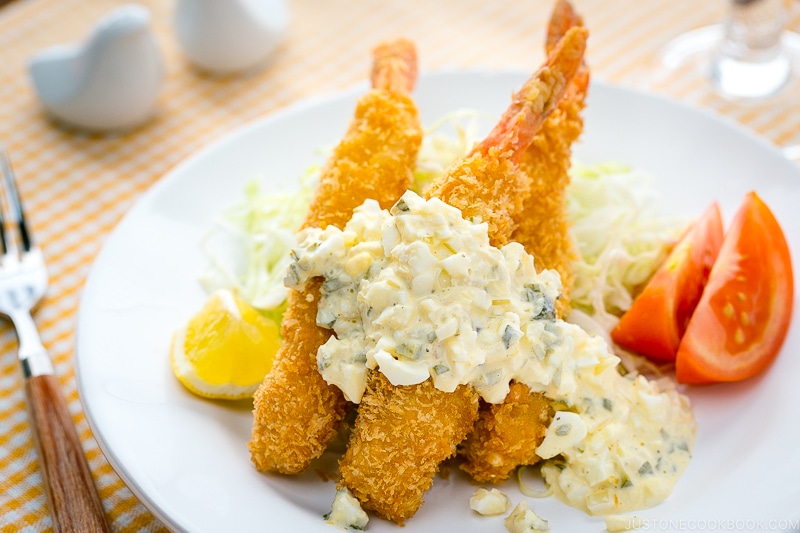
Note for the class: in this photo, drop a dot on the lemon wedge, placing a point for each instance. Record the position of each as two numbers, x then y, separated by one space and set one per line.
225 350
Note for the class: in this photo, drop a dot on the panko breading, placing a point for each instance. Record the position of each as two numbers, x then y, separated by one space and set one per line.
507 431
382 439
486 185
296 413
508 434
543 228
375 159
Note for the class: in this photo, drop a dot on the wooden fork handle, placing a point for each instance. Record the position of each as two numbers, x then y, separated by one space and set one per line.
74 503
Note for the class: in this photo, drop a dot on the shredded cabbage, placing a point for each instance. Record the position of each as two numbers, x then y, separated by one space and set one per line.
528 490
248 249
622 236
443 142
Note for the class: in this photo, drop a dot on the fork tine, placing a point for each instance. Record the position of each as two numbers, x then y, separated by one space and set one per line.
72 495
15 204
5 168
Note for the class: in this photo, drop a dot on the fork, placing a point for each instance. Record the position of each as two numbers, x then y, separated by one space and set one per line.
71 494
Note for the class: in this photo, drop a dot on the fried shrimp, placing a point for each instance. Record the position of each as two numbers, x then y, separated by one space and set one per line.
403 433
376 158
506 435
296 413
543 228
401 436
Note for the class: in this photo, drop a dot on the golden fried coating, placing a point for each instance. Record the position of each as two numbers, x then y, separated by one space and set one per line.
375 159
402 434
407 459
508 434
489 188
489 184
543 228
296 413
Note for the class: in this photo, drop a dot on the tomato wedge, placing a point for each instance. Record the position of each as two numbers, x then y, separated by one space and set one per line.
744 314
656 321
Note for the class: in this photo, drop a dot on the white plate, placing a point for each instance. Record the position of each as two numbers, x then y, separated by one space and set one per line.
187 458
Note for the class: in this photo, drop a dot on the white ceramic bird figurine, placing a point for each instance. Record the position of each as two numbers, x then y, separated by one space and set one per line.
109 82
227 36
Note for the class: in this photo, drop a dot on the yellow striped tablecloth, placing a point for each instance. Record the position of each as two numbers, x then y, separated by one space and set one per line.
76 186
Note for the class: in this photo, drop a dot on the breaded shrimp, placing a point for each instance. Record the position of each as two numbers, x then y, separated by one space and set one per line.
402 434
296 413
488 184
506 435
543 228
377 156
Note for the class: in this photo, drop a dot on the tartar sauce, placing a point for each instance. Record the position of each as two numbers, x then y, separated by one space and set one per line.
346 512
417 293
489 502
524 520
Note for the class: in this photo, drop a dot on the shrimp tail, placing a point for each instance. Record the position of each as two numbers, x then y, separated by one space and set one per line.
488 185
538 97
563 17
394 66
